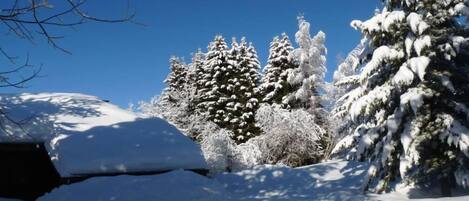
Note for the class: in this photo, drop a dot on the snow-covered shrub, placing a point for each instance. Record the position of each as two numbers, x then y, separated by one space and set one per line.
290 137
223 154
248 155
218 148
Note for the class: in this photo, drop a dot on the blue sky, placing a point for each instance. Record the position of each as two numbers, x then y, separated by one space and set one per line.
126 63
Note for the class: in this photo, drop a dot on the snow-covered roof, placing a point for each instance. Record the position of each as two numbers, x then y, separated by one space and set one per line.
85 135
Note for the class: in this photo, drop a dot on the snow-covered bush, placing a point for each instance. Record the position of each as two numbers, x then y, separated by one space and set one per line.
218 148
289 137
223 154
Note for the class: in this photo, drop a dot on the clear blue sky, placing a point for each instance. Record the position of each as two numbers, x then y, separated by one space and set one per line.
127 63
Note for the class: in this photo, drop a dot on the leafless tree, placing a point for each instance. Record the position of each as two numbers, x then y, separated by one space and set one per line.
40 19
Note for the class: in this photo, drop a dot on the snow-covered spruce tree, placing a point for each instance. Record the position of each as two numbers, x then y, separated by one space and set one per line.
410 109
244 92
195 69
307 80
212 85
274 87
228 86
177 77
344 80
173 103
346 71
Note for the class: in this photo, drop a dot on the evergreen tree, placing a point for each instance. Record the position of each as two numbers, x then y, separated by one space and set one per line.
410 108
173 103
346 71
274 86
194 72
308 78
245 89
213 82
228 87
195 68
177 77
344 80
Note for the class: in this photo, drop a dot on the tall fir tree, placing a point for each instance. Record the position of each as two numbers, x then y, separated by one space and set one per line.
274 87
212 82
177 77
173 103
410 108
229 86
308 78
246 92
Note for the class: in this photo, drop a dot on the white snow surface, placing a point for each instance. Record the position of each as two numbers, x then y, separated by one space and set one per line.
85 135
333 180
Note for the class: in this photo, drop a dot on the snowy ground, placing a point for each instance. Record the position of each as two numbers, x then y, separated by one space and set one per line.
335 180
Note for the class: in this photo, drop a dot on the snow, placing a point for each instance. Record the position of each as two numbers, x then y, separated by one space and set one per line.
333 180
77 131
462 9
404 76
409 42
46 113
414 97
380 22
380 55
173 186
418 65
416 23
422 43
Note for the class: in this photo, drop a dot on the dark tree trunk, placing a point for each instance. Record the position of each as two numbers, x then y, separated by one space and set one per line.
445 186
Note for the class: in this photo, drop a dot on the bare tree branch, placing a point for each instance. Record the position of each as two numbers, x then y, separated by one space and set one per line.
25 19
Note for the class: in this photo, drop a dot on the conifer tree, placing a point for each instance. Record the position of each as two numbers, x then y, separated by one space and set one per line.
410 109
173 103
245 89
177 77
308 78
213 83
195 68
274 86
228 87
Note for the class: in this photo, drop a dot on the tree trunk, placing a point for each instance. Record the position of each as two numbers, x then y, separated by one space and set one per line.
445 186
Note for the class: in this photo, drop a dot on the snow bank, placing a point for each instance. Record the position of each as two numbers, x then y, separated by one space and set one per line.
173 186
85 135
332 181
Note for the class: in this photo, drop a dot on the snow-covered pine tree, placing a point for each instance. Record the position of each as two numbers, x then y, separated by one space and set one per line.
245 90
195 68
308 78
274 87
344 79
173 103
213 83
410 109
345 76
228 84
177 77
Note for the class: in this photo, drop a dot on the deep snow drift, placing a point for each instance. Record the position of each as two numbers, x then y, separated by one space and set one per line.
335 180
85 135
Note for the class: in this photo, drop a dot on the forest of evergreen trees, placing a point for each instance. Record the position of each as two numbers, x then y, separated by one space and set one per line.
399 100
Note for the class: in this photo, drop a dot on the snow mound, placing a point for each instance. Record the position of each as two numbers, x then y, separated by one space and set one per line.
173 186
325 181
332 181
85 135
